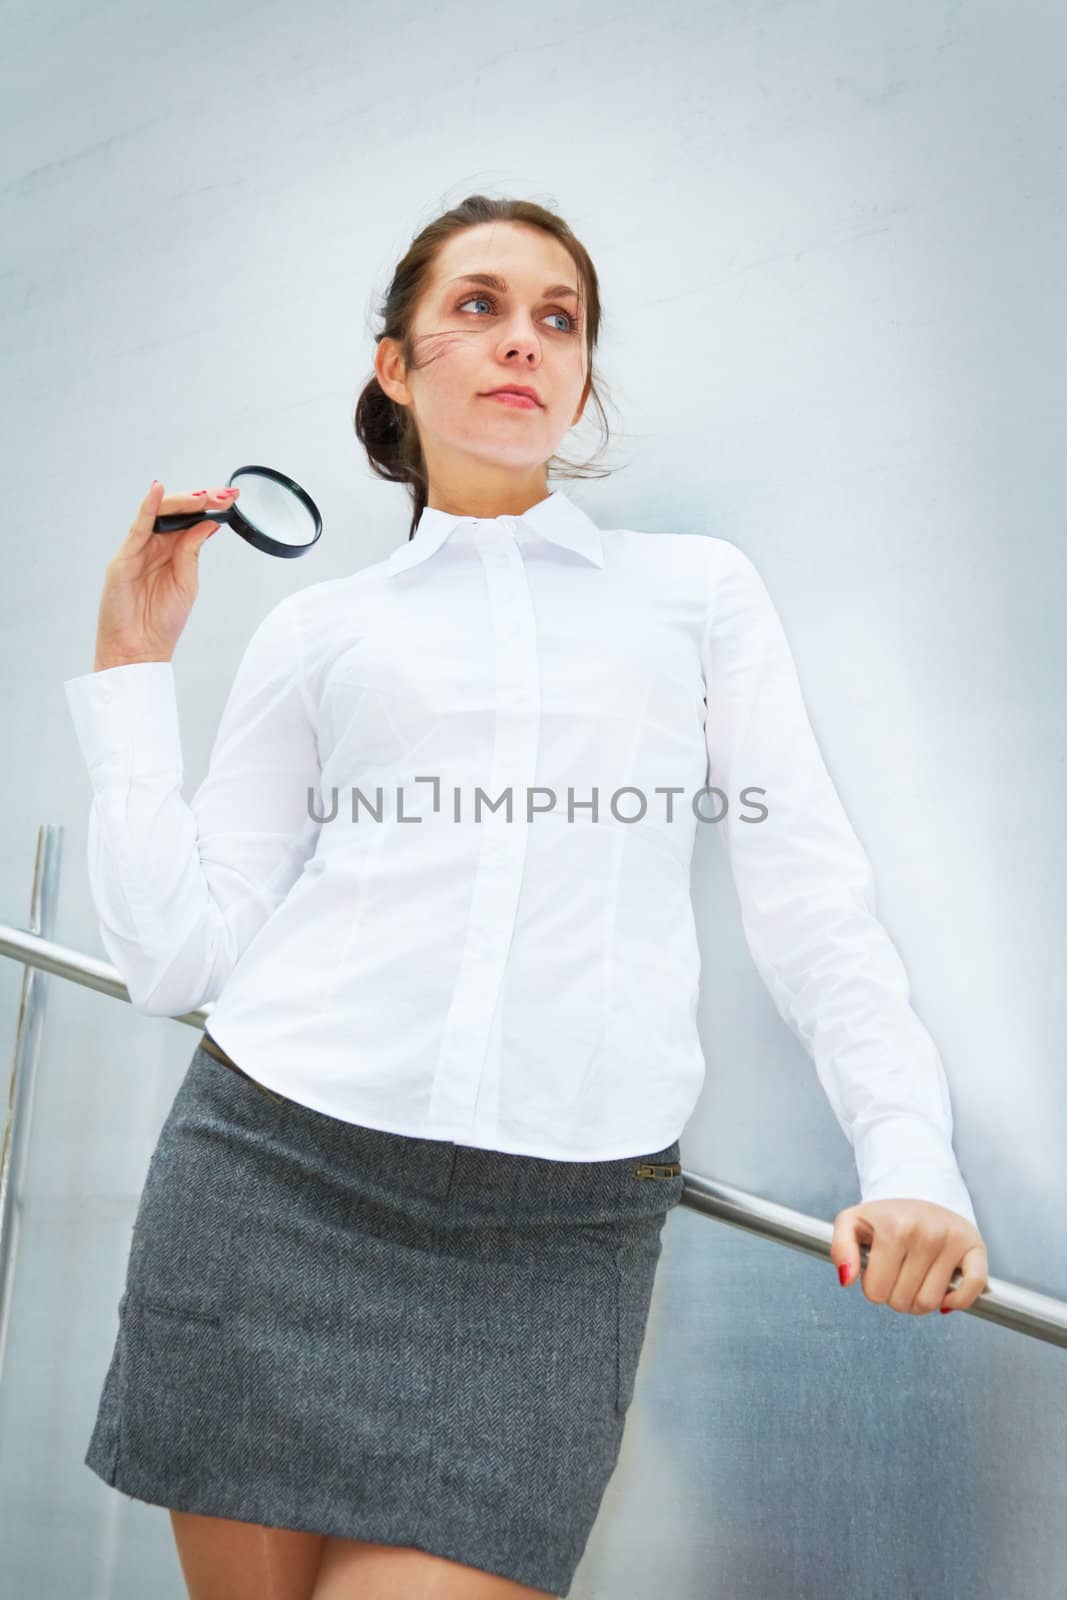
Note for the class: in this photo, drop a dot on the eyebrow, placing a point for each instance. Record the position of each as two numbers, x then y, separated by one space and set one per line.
491 281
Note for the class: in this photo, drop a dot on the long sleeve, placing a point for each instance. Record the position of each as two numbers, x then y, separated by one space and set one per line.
807 900
182 889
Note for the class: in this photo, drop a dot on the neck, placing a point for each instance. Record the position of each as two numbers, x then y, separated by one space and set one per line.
488 496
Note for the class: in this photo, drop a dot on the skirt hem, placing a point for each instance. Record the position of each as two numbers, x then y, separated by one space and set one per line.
552 1582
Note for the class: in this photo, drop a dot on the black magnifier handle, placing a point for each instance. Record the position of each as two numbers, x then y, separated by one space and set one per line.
176 521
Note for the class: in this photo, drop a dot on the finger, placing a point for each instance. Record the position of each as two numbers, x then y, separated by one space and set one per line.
974 1280
216 499
910 1279
141 526
191 541
935 1283
884 1259
195 549
845 1247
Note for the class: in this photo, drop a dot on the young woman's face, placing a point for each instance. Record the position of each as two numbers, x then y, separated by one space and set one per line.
471 338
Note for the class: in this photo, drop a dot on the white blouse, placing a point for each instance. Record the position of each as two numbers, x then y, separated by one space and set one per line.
437 877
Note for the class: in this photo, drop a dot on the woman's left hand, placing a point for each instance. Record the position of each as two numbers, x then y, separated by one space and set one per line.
914 1247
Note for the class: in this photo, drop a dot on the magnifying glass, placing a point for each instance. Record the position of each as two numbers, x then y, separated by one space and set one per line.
276 515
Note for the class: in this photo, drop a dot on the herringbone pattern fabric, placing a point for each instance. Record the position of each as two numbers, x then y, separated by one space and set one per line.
331 1327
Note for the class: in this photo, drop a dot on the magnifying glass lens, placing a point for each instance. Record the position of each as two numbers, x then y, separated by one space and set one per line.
274 510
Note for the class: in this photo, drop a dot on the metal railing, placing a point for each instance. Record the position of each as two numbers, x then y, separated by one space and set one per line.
1022 1310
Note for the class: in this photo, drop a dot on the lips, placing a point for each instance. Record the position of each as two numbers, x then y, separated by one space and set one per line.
519 391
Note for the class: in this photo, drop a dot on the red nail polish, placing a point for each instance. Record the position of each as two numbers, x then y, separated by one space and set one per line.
200 491
944 1310
842 1273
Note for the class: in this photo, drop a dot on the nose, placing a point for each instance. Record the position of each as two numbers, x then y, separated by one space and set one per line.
521 341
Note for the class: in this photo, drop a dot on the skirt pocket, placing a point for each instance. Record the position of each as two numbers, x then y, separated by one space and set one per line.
176 1397
183 1312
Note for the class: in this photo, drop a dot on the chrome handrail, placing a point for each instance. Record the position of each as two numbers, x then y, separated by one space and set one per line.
1025 1311
1009 1304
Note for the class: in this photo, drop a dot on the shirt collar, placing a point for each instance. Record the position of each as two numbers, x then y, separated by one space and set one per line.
555 518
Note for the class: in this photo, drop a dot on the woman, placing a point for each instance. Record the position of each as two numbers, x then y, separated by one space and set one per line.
390 1274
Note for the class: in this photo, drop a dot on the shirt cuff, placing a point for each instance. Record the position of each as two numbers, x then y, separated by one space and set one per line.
908 1158
126 722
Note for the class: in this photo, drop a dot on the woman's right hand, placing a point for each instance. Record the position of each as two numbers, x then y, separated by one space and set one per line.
151 581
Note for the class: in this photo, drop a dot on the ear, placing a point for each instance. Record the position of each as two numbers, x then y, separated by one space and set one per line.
389 370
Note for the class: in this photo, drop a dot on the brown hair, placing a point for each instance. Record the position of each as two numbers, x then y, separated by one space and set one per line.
388 431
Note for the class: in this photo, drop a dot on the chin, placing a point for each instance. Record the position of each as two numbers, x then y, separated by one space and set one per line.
519 455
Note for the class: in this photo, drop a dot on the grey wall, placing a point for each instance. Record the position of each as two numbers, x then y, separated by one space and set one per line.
831 246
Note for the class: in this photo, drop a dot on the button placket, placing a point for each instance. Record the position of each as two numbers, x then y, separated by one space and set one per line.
494 901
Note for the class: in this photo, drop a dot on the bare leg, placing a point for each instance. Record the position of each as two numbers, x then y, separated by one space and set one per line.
352 1569
223 1559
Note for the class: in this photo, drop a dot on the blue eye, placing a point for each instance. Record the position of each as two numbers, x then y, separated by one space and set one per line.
489 301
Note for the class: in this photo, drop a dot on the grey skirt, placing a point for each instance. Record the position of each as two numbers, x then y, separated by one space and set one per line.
333 1328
